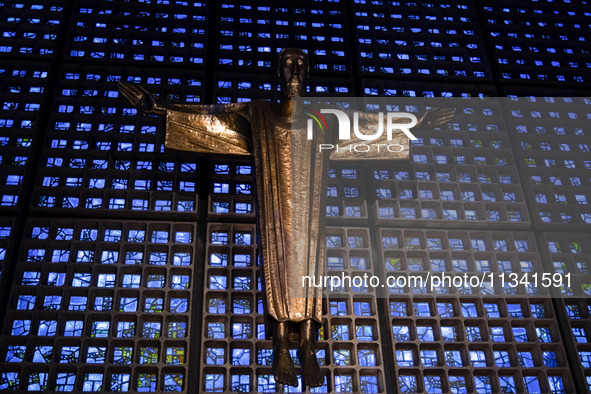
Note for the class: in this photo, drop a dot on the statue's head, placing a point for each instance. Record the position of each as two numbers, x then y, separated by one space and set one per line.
293 71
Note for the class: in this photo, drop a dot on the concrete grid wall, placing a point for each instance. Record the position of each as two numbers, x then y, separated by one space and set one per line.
125 267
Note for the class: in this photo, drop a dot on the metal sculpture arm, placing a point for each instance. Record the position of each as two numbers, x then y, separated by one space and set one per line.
140 98
397 148
219 129
435 117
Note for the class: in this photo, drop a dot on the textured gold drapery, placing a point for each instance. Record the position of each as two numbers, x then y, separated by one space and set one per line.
291 177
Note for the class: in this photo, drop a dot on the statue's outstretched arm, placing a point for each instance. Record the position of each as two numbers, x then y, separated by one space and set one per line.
381 148
221 129
143 100
435 117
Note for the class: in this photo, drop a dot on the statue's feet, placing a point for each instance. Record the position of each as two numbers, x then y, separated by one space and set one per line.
283 368
312 374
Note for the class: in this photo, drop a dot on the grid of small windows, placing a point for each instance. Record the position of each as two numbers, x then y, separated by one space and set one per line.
540 41
232 88
570 257
236 354
233 325
463 172
238 88
351 328
390 88
555 146
30 28
158 32
100 169
249 32
486 339
425 40
6 231
346 192
412 252
102 155
232 189
21 93
578 312
463 345
100 306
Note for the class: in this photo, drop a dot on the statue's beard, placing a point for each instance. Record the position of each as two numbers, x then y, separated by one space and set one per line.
295 88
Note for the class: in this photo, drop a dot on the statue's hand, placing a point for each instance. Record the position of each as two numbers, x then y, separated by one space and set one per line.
436 117
139 98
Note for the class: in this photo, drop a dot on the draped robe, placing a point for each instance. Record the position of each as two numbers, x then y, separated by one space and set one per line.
291 185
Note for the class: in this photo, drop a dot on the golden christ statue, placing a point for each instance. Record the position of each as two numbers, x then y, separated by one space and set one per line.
291 194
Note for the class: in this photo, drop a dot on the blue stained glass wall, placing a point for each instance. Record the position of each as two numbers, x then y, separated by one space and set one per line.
128 267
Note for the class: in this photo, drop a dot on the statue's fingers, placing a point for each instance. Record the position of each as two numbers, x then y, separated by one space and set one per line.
444 111
444 119
143 90
446 116
122 87
126 94
135 90
133 99
126 87
129 96
128 91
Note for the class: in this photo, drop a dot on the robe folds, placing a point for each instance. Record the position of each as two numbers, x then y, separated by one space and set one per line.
291 185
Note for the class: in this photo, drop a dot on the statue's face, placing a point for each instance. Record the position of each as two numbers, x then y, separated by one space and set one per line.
293 73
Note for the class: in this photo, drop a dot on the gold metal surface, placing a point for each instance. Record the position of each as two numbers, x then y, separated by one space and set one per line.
291 179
